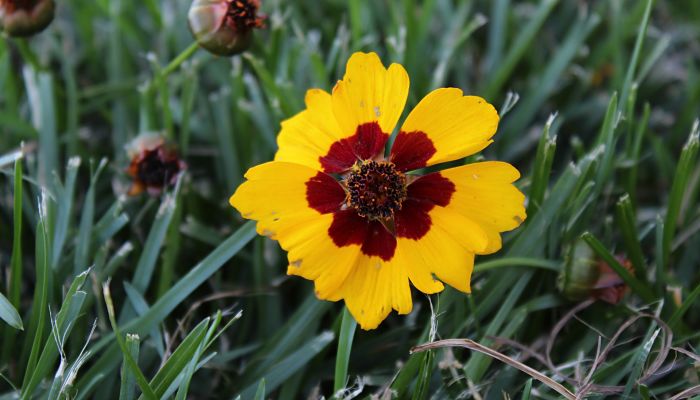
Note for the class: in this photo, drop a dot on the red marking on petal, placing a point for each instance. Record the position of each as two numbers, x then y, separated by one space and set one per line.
348 228
413 220
433 188
367 143
324 194
379 241
412 150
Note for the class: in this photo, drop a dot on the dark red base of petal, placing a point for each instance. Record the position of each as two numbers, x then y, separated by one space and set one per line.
411 150
426 192
324 194
367 142
349 228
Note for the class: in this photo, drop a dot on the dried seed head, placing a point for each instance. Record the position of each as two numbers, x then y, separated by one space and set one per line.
154 165
224 27
25 17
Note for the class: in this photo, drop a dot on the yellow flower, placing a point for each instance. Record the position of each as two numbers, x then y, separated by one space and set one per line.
356 221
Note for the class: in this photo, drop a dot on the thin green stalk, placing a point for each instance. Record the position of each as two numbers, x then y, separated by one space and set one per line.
28 55
181 58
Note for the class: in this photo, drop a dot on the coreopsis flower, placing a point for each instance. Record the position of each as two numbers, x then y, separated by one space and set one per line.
362 223
154 165
224 27
25 17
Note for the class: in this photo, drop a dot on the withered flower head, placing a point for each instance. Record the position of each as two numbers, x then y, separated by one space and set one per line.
585 276
25 17
224 27
154 165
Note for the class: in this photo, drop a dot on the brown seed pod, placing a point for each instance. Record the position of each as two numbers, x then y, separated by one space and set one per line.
23 18
224 27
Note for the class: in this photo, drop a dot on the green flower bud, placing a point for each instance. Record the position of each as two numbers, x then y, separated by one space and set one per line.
25 17
224 27
580 272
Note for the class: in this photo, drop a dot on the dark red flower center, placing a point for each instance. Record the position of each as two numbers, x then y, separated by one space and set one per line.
375 189
243 14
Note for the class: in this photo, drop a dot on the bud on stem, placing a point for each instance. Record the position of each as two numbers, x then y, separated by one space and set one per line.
224 27
23 18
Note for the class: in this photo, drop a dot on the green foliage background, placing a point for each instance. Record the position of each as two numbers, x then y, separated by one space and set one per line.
615 171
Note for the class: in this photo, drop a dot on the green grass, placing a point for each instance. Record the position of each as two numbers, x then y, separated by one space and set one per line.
107 296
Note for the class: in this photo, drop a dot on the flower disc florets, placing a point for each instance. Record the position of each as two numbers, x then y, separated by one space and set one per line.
375 189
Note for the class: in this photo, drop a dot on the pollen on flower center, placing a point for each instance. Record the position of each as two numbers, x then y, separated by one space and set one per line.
375 189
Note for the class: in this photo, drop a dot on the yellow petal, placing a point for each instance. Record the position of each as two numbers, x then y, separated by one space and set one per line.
463 230
410 256
456 125
439 254
275 196
307 136
314 256
369 92
485 194
373 288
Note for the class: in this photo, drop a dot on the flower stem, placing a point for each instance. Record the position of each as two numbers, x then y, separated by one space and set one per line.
28 55
342 359
177 61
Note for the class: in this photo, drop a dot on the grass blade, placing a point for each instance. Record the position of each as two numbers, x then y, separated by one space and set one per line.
128 359
15 279
342 359
626 221
127 389
523 42
9 314
156 237
632 67
290 364
641 289
680 181
40 304
168 302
